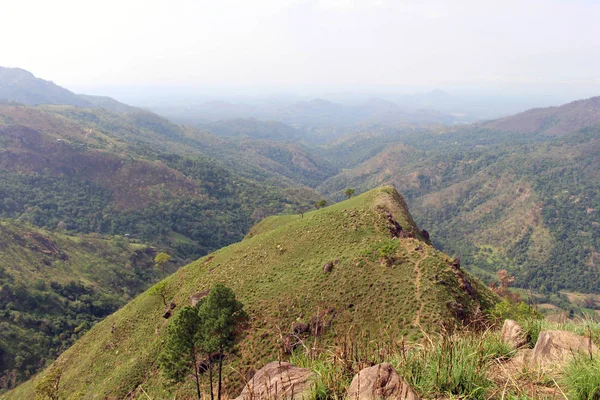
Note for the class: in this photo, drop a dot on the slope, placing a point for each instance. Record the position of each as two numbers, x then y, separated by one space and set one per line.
53 287
385 280
21 86
525 198
109 173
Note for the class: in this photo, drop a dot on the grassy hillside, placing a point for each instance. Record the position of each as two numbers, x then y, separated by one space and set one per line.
525 200
54 287
385 280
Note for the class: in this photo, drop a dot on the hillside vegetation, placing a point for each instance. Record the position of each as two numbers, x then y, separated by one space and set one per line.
380 278
54 287
97 171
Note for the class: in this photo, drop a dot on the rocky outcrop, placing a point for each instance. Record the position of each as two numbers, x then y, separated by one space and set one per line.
278 381
513 334
380 381
556 347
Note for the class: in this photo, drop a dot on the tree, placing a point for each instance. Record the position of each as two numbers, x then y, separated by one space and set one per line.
349 192
183 347
205 329
320 204
161 259
302 209
220 313
160 289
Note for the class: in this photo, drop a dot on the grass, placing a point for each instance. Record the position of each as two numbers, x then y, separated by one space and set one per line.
581 326
454 366
582 378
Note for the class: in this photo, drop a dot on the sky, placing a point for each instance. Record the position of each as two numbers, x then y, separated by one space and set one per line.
511 45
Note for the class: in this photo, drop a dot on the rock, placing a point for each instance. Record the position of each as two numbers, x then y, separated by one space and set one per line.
513 334
556 347
328 266
196 297
380 381
278 380
519 362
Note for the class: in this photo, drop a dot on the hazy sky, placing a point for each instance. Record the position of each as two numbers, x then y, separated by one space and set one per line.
429 43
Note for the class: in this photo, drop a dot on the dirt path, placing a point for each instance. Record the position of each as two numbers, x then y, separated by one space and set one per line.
418 289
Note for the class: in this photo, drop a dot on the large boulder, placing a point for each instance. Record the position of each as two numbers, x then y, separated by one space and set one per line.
556 347
278 380
513 334
380 381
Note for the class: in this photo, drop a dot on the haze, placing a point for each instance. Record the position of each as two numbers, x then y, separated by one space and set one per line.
544 48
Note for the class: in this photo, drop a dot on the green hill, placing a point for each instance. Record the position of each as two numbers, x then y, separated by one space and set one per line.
385 279
54 287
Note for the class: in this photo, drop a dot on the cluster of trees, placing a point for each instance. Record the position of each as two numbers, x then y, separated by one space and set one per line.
200 336
39 323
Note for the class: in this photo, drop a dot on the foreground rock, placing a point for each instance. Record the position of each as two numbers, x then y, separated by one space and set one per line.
278 380
380 381
513 334
557 347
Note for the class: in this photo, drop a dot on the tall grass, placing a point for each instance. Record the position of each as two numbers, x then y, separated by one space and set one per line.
452 364
582 326
442 365
581 377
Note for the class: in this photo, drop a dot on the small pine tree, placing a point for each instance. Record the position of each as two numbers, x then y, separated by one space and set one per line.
220 313
205 329
183 347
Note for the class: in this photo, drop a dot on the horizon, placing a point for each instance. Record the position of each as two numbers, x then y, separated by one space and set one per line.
310 47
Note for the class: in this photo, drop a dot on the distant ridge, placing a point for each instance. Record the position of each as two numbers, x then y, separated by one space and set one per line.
21 86
560 120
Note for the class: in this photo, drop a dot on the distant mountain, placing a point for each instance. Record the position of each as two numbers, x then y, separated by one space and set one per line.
21 86
108 103
558 121
318 120
253 129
